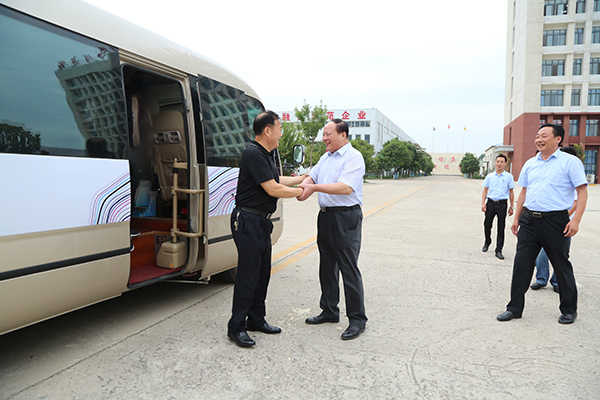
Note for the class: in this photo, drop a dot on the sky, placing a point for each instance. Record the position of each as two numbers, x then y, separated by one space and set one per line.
423 64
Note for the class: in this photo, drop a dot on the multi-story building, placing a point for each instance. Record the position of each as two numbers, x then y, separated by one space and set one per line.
368 124
553 75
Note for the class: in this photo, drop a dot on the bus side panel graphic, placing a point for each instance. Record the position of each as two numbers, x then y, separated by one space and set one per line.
222 186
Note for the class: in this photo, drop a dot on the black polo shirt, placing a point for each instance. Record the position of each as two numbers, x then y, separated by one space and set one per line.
256 166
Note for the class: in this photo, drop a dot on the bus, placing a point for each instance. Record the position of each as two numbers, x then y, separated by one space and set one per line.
119 155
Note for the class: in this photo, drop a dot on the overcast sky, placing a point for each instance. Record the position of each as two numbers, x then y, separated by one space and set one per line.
423 64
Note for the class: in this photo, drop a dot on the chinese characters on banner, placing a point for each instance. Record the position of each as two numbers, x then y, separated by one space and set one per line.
344 115
447 164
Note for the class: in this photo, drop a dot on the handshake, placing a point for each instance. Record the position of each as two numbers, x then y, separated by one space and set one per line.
307 190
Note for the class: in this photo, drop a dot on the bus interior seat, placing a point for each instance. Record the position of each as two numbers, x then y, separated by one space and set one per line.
168 143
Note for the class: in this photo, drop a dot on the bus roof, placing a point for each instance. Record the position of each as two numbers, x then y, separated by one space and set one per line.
103 26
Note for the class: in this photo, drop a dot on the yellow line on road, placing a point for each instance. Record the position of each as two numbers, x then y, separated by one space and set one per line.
279 265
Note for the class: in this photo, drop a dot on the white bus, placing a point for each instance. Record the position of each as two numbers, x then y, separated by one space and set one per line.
118 159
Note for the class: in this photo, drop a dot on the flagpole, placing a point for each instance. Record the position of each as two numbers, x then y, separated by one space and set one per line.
463 150
448 143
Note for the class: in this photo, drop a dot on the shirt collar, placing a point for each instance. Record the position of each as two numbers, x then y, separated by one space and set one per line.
342 150
555 154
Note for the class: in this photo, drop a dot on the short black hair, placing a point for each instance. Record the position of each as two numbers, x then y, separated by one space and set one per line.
557 130
263 120
340 126
503 156
569 150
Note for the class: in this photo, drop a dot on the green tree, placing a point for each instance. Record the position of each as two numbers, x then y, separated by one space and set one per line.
427 164
469 164
396 155
580 151
15 139
310 122
289 138
367 150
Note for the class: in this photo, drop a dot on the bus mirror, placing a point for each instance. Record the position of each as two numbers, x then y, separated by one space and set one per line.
298 154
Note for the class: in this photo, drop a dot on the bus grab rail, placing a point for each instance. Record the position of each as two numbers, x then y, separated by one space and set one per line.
175 232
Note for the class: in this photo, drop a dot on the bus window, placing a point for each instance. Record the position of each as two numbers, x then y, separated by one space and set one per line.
226 123
59 90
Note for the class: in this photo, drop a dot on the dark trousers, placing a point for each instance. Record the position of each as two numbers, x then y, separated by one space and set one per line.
495 210
338 239
535 233
253 241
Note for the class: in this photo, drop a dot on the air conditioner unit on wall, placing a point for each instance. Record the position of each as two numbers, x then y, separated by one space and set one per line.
591 178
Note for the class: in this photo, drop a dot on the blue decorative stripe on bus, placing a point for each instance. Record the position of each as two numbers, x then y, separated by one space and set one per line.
112 203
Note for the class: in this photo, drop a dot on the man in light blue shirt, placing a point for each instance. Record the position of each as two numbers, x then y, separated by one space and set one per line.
549 182
338 177
497 190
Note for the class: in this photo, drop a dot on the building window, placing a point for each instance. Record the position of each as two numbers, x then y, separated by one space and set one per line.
552 98
591 161
577 66
576 97
578 35
596 5
596 34
368 138
580 6
591 127
555 7
556 37
357 137
594 66
553 67
594 97
574 127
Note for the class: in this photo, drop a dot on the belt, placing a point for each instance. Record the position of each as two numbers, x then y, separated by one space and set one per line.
256 212
540 214
342 208
497 201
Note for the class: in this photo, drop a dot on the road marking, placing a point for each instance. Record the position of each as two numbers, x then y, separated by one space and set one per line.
310 244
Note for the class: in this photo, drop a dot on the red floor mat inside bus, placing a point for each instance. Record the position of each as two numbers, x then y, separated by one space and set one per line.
147 272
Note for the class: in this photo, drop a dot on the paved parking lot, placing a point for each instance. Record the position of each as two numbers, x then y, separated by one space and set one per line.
431 297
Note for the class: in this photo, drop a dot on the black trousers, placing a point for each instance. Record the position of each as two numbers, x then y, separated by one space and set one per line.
495 210
535 233
253 241
339 239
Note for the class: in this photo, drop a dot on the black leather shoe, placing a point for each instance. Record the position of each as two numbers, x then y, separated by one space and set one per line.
500 255
320 319
507 316
352 332
567 318
536 286
555 288
241 339
265 328
485 247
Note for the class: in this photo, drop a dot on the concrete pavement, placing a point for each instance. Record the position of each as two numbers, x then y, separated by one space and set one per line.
431 297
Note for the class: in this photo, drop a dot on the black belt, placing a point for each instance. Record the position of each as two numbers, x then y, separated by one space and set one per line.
257 212
342 208
540 214
497 201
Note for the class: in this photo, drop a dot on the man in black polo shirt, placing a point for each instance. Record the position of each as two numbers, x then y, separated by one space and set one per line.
259 186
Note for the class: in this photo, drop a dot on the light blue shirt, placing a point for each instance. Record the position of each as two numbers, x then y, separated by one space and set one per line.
550 184
344 165
499 185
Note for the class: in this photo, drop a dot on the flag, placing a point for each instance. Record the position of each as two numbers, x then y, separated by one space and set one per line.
434 128
465 128
448 126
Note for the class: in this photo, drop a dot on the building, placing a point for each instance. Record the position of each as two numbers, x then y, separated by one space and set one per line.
553 75
368 124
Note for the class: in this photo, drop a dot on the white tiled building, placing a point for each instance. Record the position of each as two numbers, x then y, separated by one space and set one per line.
368 124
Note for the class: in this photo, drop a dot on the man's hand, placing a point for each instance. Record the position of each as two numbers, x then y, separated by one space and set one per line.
308 191
483 207
515 227
510 211
571 229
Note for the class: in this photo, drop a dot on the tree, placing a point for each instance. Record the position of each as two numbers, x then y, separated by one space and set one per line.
367 150
15 139
469 164
580 151
395 155
427 164
289 138
310 122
